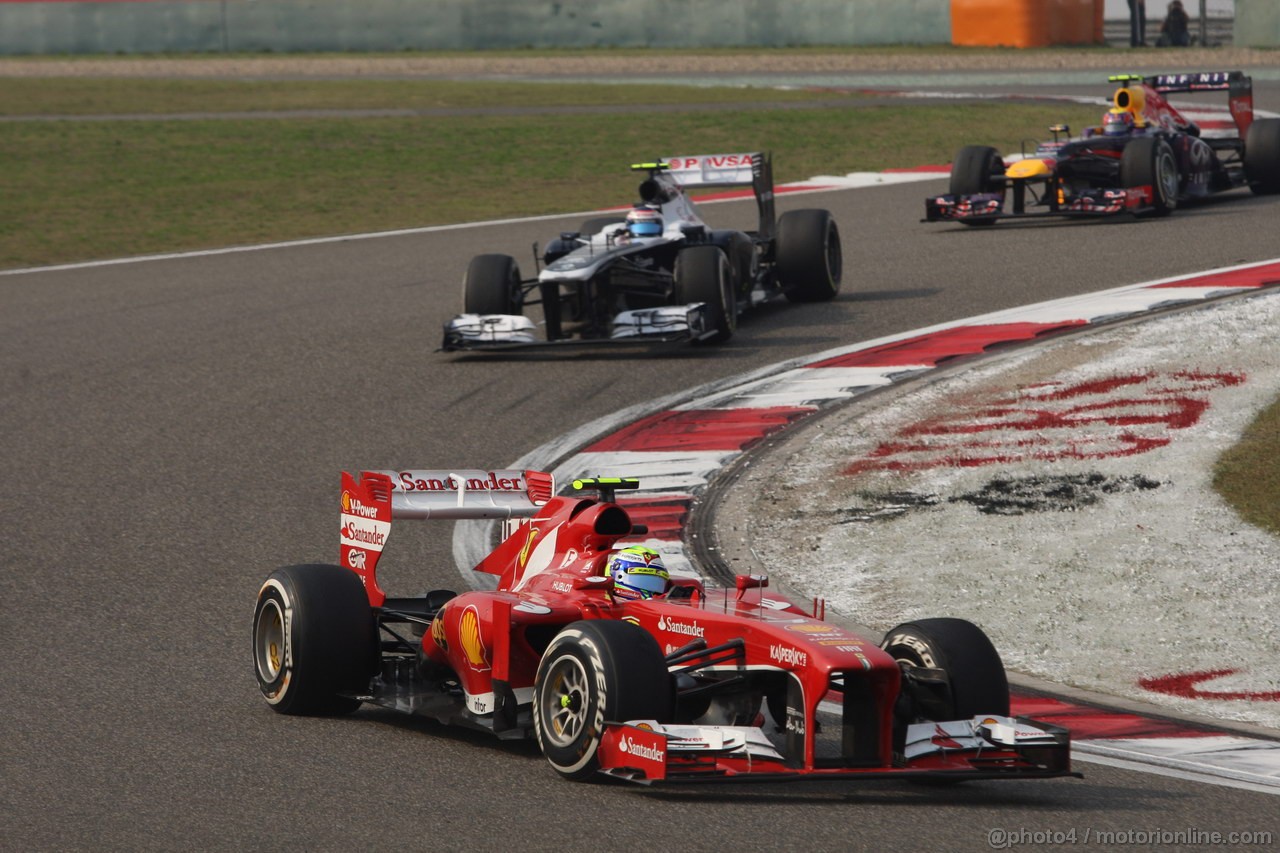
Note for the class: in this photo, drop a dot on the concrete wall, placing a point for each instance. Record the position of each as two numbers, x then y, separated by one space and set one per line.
1257 23
122 26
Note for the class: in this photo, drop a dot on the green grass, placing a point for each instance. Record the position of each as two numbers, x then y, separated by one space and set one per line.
80 190
63 96
1248 475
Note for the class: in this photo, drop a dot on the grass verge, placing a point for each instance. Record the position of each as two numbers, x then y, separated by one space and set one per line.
1248 475
81 190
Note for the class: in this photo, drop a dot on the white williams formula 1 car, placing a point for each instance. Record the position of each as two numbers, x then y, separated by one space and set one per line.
657 273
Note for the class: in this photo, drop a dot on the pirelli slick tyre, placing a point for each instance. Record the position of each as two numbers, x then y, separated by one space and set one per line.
974 674
1148 161
702 274
593 672
598 224
492 286
1262 156
977 169
810 260
314 640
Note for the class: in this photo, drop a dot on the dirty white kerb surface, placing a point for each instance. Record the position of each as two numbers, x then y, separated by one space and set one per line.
1061 498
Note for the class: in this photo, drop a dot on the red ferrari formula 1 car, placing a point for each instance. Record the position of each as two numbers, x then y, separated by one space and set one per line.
671 688
1145 159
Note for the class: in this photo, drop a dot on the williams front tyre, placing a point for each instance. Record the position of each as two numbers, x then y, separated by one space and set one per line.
314 640
492 286
702 274
596 671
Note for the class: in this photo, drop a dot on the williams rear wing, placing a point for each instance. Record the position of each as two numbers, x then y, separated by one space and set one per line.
370 502
753 170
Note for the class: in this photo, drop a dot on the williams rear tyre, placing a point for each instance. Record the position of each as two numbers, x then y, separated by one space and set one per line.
973 680
808 255
492 286
702 274
1149 162
314 640
594 226
593 672
1262 156
977 169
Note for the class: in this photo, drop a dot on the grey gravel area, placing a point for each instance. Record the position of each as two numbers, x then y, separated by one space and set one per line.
608 64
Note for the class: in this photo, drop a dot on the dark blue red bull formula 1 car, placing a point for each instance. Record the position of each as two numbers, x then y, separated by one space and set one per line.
694 684
1145 158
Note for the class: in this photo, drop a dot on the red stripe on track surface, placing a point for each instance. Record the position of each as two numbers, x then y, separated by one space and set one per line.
704 429
1089 723
949 343
1259 276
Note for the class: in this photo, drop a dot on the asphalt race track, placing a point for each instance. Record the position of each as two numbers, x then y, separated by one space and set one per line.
173 429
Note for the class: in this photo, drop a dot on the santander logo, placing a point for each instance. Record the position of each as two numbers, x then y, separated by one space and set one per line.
630 747
689 629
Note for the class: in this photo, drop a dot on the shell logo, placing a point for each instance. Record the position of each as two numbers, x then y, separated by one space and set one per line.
437 631
346 501
469 638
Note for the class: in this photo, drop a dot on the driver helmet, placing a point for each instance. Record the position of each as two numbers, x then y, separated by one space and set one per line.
1117 122
644 221
638 573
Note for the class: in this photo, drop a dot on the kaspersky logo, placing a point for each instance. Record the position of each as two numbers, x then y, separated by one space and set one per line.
689 629
639 750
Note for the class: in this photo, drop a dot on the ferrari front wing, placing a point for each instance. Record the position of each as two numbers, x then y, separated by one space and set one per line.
985 747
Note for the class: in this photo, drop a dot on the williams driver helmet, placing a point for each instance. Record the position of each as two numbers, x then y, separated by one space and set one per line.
644 221
1117 122
638 573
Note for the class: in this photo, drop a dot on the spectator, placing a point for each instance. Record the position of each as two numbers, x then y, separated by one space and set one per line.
1175 31
1137 23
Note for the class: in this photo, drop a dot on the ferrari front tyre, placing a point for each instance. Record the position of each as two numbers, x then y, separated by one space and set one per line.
1149 162
977 169
702 274
1262 156
972 666
314 640
492 286
593 672
809 259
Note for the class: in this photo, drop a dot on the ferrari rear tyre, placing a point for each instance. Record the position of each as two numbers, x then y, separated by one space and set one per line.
594 226
973 669
314 640
1262 156
977 169
810 262
593 672
702 274
492 286
1149 162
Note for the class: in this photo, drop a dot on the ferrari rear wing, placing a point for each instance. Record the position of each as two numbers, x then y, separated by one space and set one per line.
370 502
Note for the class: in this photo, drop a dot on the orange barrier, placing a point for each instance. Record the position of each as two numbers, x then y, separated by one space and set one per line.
1025 23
